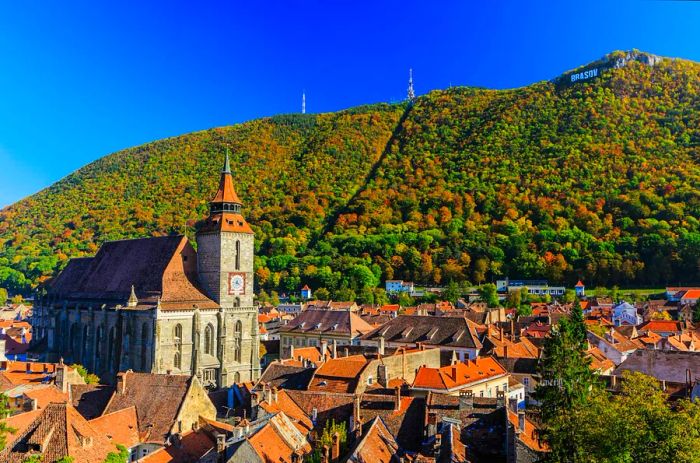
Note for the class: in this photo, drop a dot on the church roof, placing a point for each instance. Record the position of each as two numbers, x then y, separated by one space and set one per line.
225 221
226 192
161 267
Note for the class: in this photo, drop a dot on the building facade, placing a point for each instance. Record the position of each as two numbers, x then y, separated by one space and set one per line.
156 305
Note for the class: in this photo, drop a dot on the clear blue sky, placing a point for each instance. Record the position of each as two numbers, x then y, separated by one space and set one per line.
80 80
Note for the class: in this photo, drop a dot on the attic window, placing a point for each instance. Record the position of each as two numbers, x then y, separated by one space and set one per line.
318 326
301 325
457 336
432 333
335 326
406 332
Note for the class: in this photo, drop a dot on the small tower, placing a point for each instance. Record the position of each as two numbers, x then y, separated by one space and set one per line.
225 247
303 102
411 93
133 300
580 289
306 292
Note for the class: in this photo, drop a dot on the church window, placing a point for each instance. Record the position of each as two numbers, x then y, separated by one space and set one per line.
144 346
238 255
177 362
178 333
237 341
98 341
209 340
237 302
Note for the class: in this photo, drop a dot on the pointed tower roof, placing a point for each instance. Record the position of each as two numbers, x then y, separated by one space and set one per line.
225 207
226 192
579 284
133 301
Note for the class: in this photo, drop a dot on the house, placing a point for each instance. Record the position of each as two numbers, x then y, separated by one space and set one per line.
626 314
377 444
484 377
676 293
399 286
664 365
534 287
449 334
198 445
313 326
580 289
690 296
306 292
664 328
524 443
274 438
614 345
60 431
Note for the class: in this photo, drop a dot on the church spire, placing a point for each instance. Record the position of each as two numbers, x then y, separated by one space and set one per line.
226 199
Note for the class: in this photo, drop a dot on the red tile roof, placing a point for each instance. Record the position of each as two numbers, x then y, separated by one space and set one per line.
192 446
460 375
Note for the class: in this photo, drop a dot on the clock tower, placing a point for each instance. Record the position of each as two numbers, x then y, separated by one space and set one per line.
225 248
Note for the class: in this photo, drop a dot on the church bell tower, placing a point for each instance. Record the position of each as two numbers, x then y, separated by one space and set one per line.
225 248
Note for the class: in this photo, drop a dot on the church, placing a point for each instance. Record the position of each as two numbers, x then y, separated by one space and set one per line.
158 305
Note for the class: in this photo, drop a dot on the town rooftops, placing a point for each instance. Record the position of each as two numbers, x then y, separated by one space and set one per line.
157 399
376 445
60 431
429 330
458 376
328 322
162 268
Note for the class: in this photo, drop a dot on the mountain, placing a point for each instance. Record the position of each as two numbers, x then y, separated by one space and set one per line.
593 175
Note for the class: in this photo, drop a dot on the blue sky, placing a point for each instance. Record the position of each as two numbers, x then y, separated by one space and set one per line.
80 80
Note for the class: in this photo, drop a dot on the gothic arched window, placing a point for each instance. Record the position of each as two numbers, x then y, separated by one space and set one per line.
209 340
238 255
177 360
177 334
237 341
144 346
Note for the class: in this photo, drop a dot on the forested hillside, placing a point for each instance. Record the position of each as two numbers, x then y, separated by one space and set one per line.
598 180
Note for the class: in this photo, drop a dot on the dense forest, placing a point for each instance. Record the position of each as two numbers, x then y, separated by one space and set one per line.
597 180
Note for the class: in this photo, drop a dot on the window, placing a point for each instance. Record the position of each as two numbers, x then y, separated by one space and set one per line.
370 380
209 340
177 333
177 361
238 255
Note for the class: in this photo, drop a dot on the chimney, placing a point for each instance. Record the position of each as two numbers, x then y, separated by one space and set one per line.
29 367
35 404
381 345
453 370
512 330
268 396
334 353
466 400
500 333
335 450
521 422
397 399
356 419
274 394
505 351
346 352
326 455
121 383
291 351
324 349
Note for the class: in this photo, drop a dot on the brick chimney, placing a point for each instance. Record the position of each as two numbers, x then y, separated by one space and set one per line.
521 422
397 398
324 349
334 353
356 418
381 345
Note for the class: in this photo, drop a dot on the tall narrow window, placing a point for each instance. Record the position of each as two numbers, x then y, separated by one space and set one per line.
177 361
209 340
238 255
144 346
237 341
178 334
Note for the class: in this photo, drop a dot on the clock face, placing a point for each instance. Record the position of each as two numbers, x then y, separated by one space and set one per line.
236 283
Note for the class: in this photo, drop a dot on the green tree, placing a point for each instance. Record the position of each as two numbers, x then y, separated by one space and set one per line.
514 299
405 300
577 325
3 296
89 378
17 299
452 292
120 456
488 294
322 294
4 413
569 296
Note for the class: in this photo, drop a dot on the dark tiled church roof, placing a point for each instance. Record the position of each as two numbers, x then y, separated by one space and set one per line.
435 331
162 267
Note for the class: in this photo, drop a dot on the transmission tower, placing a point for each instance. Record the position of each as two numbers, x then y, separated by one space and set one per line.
411 93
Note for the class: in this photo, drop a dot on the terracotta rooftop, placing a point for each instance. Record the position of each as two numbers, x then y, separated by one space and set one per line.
339 374
376 445
278 440
460 375
192 446
331 322
56 432
157 399
528 436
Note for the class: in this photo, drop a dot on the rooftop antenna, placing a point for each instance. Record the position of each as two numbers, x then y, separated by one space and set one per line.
303 102
411 93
